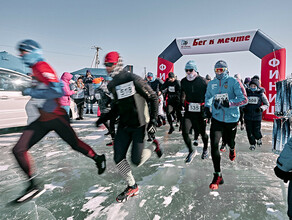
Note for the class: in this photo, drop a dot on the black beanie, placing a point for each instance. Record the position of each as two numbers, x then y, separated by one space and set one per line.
255 81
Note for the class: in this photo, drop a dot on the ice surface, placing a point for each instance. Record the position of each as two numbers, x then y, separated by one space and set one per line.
168 188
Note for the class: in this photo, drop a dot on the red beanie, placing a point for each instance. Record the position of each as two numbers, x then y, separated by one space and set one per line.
112 57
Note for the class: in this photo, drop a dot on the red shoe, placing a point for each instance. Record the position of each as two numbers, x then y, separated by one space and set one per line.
157 149
130 191
223 148
217 180
232 154
110 144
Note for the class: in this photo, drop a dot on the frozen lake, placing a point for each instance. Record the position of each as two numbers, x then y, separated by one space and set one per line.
169 189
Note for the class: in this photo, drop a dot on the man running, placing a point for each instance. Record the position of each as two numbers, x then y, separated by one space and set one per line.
173 93
130 97
193 90
52 117
224 95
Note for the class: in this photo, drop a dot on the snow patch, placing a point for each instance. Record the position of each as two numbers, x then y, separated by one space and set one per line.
191 207
53 153
5 167
214 193
94 204
161 187
233 215
156 217
142 203
168 199
52 186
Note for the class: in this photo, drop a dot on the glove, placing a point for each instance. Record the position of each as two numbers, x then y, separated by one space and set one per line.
26 91
207 113
151 128
217 104
259 109
225 103
285 176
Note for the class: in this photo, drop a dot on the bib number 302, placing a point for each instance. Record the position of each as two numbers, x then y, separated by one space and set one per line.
125 90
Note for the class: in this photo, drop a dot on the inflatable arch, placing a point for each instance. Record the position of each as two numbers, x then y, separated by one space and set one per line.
272 55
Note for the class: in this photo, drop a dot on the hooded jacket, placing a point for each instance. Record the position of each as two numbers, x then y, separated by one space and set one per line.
65 78
236 96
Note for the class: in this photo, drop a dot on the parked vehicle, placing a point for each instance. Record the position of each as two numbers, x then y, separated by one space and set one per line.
15 109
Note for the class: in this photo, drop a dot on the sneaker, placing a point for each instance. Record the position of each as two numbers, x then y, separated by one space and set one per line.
33 191
217 180
163 122
78 118
195 143
232 154
100 163
87 111
176 125
110 144
259 143
252 147
149 139
91 112
204 154
81 118
190 157
223 148
107 133
157 149
130 191
171 130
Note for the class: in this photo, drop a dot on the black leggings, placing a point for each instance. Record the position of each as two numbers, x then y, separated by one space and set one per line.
217 129
123 139
34 132
173 107
253 130
80 106
196 121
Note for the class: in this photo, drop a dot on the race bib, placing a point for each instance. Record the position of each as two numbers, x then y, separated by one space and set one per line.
253 100
221 97
171 88
97 96
194 107
125 90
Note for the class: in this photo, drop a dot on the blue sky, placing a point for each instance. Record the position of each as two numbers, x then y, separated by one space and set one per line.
141 30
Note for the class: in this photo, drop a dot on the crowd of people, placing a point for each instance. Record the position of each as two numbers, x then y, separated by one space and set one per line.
139 106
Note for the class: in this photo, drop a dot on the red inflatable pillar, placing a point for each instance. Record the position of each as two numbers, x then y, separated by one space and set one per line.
163 68
273 70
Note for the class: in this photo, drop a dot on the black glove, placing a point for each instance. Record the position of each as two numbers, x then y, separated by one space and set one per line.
259 109
285 176
225 103
207 113
151 128
217 104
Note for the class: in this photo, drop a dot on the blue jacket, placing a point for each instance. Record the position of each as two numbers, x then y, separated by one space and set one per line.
236 95
284 161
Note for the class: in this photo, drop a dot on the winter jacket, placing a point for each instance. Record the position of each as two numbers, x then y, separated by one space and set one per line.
89 86
103 98
173 91
51 90
131 94
236 96
65 100
256 100
284 161
156 85
193 92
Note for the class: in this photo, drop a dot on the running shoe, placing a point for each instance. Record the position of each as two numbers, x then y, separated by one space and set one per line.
157 150
217 180
232 154
108 133
110 144
32 191
190 157
100 163
171 129
259 142
130 191
223 148
195 143
204 154
149 139
252 147
164 122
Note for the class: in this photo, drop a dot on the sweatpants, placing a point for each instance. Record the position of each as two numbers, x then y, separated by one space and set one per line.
253 130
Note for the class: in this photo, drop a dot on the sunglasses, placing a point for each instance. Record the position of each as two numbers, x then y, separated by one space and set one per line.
189 70
220 69
108 64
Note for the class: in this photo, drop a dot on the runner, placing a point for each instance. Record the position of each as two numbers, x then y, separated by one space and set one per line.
257 103
224 95
52 118
173 103
130 97
193 90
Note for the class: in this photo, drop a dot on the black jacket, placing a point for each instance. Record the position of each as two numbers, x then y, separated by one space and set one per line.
156 85
131 94
173 91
